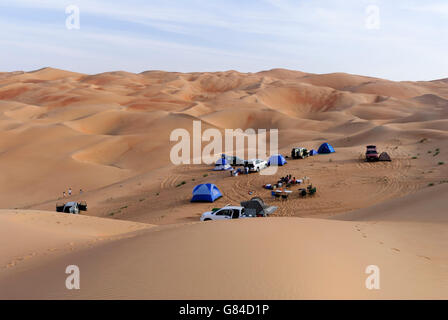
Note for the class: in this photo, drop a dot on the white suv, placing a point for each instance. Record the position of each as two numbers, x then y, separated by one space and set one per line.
256 165
228 212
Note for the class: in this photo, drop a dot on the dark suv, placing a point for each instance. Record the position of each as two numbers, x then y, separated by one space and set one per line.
372 154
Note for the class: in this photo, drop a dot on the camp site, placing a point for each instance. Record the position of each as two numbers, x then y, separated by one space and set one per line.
202 151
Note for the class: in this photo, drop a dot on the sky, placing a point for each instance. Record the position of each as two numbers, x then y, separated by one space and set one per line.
397 40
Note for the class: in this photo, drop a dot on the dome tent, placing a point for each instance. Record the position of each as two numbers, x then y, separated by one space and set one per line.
277 160
313 152
206 193
325 148
222 165
222 162
384 156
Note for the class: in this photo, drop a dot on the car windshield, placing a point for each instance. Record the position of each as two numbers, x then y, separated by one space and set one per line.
371 152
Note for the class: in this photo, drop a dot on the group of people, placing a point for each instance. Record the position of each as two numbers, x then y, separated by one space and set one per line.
284 182
288 180
237 172
69 192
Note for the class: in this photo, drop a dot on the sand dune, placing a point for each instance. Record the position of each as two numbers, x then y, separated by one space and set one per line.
283 258
412 208
39 234
109 135
117 124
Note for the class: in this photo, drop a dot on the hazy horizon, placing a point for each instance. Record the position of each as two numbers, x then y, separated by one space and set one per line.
397 41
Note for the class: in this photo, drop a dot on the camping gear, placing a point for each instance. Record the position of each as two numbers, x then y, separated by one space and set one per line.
299 153
277 160
82 205
60 207
71 207
223 168
222 165
206 193
233 160
222 161
284 194
311 190
313 152
275 195
384 156
257 208
325 148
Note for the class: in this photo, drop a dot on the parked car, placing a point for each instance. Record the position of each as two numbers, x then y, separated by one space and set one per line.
299 153
256 165
371 153
228 212
72 207
248 209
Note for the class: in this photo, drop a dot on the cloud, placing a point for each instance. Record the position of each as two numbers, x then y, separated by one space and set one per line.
434 8
314 36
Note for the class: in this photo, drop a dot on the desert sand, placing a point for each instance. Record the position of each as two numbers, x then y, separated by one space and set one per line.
108 134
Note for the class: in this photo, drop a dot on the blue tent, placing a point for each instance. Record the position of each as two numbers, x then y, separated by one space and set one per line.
206 193
326 148
277 160
222 162
222 165
313 152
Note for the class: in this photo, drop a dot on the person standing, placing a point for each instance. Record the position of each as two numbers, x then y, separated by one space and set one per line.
69 192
